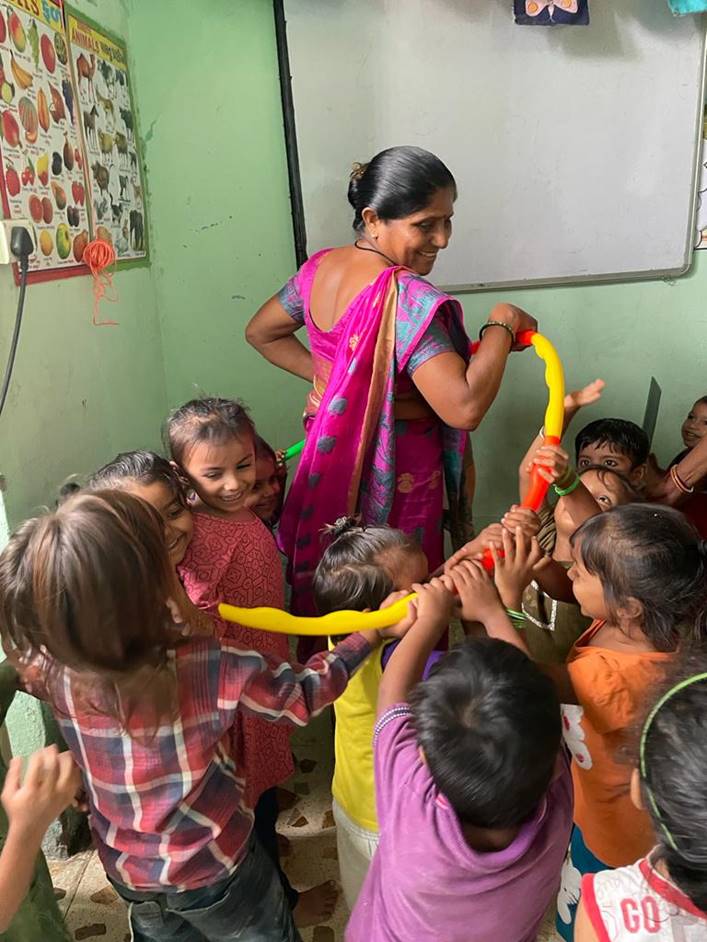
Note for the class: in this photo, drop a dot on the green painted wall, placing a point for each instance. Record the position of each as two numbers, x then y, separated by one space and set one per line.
216 170
207 78
79 393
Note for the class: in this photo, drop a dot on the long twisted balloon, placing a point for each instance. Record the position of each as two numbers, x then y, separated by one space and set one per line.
338 623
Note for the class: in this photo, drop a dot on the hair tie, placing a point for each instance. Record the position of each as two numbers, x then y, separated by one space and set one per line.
98 255
682 685
357 171
341 526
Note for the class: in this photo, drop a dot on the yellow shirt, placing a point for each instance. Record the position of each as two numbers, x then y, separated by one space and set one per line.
353 783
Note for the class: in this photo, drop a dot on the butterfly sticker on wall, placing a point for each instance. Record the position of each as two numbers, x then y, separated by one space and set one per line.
551 12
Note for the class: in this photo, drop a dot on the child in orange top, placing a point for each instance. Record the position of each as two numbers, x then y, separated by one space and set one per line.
640 571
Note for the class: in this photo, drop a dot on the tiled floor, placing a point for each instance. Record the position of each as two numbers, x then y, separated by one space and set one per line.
93 910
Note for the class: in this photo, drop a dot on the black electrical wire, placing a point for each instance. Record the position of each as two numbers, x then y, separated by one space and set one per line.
24 265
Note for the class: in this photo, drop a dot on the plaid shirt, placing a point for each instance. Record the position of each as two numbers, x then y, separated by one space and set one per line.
168 811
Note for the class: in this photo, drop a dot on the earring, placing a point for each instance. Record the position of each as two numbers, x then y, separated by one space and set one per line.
375 236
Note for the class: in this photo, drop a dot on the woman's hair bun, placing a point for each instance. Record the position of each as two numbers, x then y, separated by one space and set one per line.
341 526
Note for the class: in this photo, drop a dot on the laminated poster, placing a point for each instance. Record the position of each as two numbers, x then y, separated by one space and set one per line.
108 124
42 169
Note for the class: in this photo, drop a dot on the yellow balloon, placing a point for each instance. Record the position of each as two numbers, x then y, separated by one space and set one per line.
341 623
335 623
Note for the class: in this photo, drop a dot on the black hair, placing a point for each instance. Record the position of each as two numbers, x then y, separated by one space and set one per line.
488 721
702 401
208 419
653 554
674 784
142 467
352 574
265 450
627 438
67 490
603 473
397 182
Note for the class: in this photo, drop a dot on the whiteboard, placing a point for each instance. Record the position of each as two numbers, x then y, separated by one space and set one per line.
575 148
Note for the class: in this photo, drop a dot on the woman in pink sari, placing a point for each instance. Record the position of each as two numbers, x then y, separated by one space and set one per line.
394 391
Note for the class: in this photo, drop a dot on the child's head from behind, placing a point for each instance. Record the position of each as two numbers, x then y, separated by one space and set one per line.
642 565
266 497
153 479
614 443
672 780
694 428
363 565
488 723
89 584
213 442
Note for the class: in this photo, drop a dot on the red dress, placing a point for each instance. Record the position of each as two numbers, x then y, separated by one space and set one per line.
238 562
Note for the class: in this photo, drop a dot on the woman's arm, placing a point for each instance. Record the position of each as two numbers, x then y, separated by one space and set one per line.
272 332
461 395
691 471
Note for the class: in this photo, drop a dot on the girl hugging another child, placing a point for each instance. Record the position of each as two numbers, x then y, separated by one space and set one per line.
223 551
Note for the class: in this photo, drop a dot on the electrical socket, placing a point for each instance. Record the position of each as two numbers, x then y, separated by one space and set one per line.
6 227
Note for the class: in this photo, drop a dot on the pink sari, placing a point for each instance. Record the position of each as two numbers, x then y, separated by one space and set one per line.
357 458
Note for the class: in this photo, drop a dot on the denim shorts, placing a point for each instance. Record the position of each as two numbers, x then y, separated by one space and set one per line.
250 906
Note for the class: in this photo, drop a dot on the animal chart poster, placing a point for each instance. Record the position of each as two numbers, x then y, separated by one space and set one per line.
41 165
108 124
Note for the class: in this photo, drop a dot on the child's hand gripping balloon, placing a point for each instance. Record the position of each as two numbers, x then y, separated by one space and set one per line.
515 567
478 596
552 463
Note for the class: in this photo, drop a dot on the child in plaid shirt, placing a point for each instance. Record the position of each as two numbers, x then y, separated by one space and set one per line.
86 612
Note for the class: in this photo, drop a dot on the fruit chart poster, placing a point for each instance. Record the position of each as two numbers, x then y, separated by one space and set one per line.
108 126
42 165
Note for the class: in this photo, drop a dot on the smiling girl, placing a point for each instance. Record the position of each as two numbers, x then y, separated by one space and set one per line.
233 558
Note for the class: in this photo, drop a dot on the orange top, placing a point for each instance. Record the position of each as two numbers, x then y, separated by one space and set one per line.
613 689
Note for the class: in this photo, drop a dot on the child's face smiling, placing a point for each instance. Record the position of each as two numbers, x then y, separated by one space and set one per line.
265 496
694 427
587 587
178 523
223 475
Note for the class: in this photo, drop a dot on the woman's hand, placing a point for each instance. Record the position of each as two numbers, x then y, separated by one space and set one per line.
551 462
513 571
522 517
477 594
516 318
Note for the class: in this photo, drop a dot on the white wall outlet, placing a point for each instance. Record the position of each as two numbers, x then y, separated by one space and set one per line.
6 227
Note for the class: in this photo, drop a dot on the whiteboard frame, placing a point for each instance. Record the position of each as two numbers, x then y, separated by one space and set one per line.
299 223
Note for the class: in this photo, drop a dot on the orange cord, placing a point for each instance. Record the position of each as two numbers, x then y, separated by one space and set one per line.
98 255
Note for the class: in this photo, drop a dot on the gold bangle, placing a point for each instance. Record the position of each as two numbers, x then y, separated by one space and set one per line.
678 482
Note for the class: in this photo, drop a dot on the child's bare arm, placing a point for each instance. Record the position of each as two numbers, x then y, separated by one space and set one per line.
480 602
583 929
552 578
49 786
574 401
434 606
